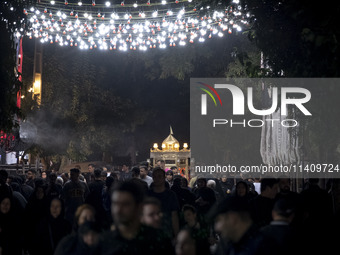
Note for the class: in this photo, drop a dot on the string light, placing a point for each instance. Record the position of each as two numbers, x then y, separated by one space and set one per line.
130 26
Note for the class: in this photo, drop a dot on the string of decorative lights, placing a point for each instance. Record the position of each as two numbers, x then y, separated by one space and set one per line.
130 25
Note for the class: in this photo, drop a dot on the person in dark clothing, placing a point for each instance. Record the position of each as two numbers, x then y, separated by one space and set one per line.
184 196
52 228
106 197
262 205
135 177
26 190
30 176
188 243
242 191
19 200
10 222
206 199
53 189
227 185
74 194
5 189
84 242
168 198
318 220
280 231
95 197
130 235
238 234
36 209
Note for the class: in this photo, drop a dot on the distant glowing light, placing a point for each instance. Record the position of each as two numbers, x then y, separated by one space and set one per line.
107 4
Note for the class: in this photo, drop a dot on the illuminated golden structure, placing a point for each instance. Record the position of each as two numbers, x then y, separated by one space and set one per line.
171 153
37 72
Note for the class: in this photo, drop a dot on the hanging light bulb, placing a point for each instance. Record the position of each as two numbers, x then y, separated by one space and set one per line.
80 3
66 2
107 4
93 2
135 5
52 2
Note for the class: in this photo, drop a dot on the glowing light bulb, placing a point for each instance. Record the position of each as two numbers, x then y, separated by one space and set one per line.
80 3
52 2
107 4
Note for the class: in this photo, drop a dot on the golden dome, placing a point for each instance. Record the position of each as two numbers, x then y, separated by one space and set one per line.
170 143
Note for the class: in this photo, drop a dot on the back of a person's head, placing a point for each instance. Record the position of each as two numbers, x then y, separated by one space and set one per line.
158 169
284 207
268 182
231 204
74 170
3 175
134 188
109 181
53 177
135 171
177 181
97 173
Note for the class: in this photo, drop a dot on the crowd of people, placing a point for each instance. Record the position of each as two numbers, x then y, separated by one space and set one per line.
144 210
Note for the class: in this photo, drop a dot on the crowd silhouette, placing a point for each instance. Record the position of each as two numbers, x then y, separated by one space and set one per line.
144 210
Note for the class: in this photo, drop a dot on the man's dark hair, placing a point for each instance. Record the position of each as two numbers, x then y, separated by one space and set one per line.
152 201
135 171
284 207
188 207
158 169
3 175
75 170
93 165
169 172
32 171
161 160
173 167
268 182
202 179
144 164
135 189
97 173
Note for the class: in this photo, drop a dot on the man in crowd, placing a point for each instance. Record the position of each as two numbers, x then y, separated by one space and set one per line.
30 176
130 235
125 175
239 236
74 194
262 205
161 164
144 175
152 213
170 206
